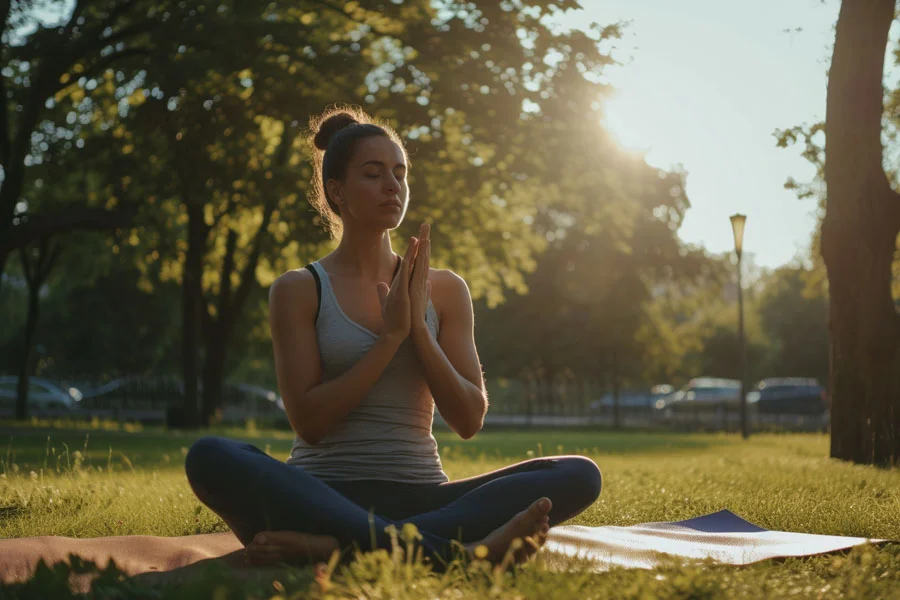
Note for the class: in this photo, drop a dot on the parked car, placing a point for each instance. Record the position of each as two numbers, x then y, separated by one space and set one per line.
645 398
43 394
789 395
703 392
160 392
251 396
135 392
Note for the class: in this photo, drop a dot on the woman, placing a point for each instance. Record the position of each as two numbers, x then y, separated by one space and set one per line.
361 364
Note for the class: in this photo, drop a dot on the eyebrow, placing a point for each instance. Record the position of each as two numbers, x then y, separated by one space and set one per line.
381 164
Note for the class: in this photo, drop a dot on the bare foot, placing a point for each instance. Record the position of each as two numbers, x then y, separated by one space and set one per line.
270 547
530 527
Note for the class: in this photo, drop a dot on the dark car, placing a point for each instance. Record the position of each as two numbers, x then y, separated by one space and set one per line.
790 396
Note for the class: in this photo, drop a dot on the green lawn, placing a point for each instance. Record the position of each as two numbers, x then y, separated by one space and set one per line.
93 482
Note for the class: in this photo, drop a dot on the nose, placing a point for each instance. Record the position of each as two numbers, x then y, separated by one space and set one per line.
393 186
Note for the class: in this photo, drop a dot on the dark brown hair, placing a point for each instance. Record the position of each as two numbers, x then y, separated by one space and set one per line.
334 134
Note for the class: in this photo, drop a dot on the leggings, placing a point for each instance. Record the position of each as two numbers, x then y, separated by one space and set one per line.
253 492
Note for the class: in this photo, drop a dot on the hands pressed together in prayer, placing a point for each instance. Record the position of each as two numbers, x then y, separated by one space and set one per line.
404 302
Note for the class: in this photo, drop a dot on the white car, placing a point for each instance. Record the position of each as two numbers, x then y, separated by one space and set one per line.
42 394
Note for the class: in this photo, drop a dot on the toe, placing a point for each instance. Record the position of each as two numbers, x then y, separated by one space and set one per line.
260 538
544 505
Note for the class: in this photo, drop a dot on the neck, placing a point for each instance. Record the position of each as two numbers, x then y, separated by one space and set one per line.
365 255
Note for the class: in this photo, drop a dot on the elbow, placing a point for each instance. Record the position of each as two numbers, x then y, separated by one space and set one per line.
311 440
307 434
470 433
303 426
475 424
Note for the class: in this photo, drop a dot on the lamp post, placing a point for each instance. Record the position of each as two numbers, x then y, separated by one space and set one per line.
737 226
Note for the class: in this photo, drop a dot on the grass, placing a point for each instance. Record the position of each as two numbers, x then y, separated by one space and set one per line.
95 481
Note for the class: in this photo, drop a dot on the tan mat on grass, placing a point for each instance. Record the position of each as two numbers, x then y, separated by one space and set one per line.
133 554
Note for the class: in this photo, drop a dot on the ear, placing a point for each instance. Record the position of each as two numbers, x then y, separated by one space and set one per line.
334 191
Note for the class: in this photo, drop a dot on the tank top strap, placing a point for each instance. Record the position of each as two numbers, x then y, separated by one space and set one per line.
318 279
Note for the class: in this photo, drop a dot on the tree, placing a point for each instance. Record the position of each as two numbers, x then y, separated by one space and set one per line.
609 221
203 128
859 238
231 145
794 316
37 263
37 65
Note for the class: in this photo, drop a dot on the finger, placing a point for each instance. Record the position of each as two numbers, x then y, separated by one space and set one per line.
407 260
425 247
404 264
423 233
420 269
414 267
420 275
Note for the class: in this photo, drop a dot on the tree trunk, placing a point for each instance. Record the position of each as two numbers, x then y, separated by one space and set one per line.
217 332
35 274
230 305
26 365
859 236
192 299
213 375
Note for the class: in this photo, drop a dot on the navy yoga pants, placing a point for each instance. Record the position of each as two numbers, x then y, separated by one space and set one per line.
254 492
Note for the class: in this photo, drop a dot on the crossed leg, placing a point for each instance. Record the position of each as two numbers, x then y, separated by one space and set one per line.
274 508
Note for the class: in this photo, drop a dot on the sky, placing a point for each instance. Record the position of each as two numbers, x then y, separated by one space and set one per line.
704 84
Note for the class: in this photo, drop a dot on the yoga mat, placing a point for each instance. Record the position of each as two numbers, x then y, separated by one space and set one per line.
722 536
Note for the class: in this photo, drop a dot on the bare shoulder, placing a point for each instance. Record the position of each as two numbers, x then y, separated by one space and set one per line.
449 291
296 289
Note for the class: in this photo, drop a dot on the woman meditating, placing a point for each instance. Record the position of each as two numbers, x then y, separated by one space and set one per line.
366 344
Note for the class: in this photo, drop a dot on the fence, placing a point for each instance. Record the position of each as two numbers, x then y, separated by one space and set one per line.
135 398
513 404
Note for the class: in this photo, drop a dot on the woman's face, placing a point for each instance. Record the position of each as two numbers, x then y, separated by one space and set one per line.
374 191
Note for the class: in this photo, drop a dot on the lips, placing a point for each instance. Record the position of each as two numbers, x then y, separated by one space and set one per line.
397 204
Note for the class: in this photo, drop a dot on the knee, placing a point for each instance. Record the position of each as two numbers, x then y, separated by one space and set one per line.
586 478
204 458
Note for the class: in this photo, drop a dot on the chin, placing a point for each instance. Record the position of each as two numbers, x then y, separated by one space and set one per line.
386 224
393 222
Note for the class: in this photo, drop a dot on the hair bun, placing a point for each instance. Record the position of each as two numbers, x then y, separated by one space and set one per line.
330 126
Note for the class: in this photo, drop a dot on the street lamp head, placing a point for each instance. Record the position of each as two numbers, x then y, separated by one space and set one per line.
737 226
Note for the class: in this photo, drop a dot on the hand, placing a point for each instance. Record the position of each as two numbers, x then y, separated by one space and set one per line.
395 306
419 286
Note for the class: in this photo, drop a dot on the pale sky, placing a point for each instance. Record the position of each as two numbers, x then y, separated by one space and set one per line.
706 83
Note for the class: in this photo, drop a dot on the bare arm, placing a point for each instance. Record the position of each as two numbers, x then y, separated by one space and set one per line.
315 408
451 363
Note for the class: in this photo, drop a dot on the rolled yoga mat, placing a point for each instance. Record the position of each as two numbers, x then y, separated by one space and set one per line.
722 536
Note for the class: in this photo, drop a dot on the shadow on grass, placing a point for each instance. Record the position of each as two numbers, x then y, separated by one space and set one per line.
208 578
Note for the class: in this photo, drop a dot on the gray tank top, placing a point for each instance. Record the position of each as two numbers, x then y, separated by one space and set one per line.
388 435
